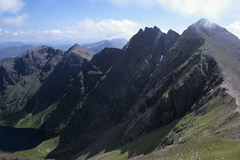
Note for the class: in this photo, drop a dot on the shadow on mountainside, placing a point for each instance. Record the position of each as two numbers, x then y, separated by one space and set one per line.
110 142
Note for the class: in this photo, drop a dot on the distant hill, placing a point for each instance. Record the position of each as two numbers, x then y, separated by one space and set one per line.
12 49
99 46
12 44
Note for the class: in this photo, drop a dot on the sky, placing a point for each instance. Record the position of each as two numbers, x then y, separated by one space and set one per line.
80 21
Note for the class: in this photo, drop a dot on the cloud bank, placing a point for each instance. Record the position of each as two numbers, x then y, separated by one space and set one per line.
15 21
234 28
11 6
205 8
14 7
106 29
84 30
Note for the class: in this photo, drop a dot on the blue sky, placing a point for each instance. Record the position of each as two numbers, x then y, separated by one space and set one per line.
62 21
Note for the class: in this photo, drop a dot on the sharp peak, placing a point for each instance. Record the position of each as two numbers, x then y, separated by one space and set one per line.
147 29
204 22
76 45
76 49
155 28
170 31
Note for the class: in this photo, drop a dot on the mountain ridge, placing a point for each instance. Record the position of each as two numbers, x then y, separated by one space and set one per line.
231 80
161 90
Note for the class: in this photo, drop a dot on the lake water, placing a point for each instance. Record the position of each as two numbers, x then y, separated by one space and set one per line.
17 139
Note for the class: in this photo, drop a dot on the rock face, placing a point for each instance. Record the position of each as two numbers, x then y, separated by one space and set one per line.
225 48
58 82
86 79
34 59
154 80
21 76
161 106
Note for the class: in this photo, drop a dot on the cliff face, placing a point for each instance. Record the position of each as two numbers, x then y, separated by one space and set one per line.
157 79
168 101
21 76
78 89
56 84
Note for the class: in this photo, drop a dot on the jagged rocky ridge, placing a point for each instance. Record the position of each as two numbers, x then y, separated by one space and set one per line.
21 76
156 79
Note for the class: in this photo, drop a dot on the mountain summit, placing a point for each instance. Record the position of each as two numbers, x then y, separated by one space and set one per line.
224 47
174 94
206 23
81 51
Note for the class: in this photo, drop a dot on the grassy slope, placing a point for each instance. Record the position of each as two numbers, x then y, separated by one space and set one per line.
194 136
19 118
17 95
143 145
198 136
36 120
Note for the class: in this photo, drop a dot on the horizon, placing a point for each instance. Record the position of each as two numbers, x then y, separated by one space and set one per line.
88 21
59 43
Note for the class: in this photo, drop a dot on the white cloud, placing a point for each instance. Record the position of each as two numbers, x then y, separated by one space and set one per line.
206 8
105 29
143 3
234 28
84 30
15 21
51 32
11 6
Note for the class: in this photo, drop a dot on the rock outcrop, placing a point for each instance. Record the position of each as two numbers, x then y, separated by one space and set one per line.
21 76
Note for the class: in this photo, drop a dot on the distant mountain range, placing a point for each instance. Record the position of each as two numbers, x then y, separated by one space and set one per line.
12 49
99 46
